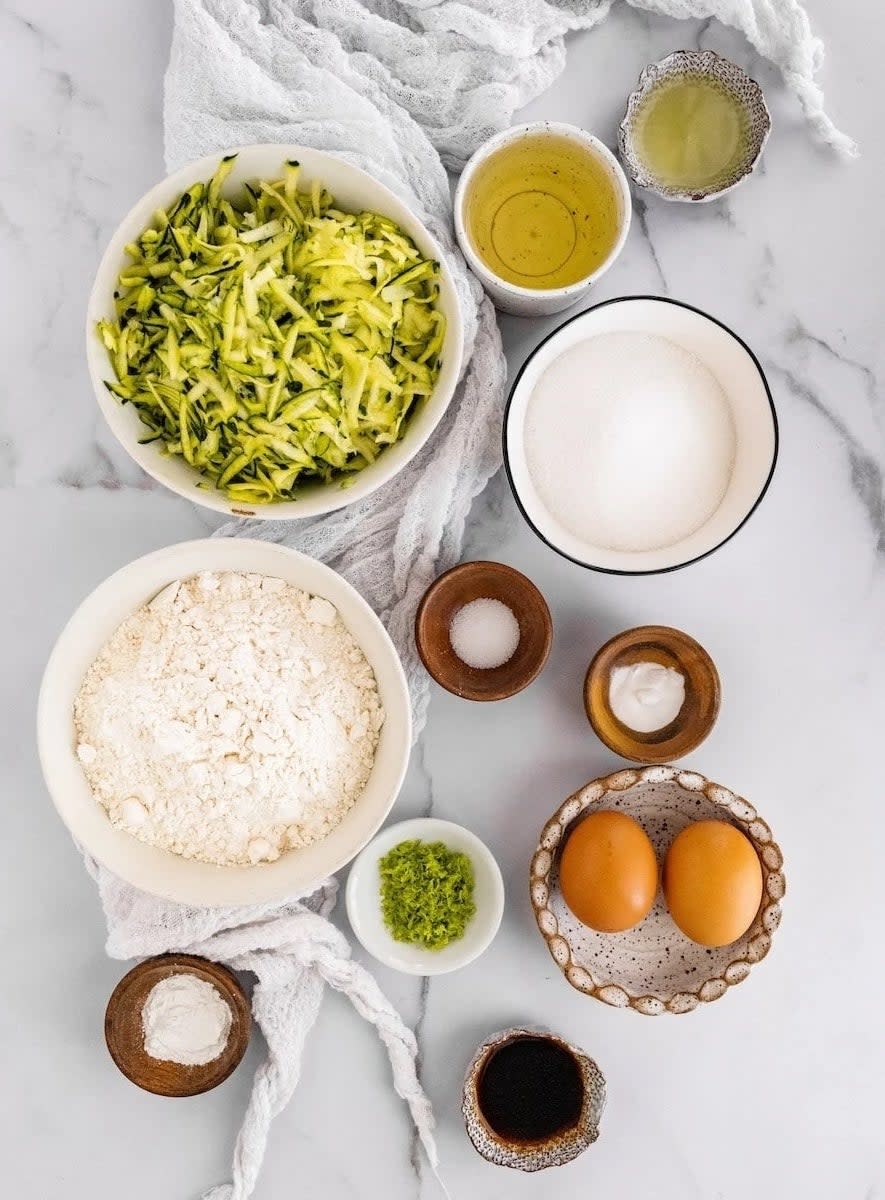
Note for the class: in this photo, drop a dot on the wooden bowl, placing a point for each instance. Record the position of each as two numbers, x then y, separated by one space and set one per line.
125 1036
480 581
653 968
670 648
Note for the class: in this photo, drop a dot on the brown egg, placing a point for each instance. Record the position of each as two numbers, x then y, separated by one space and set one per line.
712 882
608 872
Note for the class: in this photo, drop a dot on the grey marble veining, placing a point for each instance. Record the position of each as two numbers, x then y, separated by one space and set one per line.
773 1092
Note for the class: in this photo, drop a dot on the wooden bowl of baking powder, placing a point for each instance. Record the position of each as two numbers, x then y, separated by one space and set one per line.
124 1030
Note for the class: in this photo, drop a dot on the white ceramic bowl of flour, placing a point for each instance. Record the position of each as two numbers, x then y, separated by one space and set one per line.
159 871
606 463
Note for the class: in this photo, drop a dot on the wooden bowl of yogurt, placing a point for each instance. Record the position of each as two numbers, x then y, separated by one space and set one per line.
652 694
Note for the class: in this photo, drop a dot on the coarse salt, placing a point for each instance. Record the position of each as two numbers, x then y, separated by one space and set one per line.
629 441
484 634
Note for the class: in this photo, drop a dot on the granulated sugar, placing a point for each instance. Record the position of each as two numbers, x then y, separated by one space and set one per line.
630 441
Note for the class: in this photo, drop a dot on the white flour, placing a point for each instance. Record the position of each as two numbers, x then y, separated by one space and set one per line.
232 718
185 1020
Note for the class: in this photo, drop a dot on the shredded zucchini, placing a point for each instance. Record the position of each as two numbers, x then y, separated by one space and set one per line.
273 341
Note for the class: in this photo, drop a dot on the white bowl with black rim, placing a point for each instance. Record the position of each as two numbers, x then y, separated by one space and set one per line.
737 370
354 191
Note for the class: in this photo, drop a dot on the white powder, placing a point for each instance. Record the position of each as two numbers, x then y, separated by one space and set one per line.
232 718
484 634
185 1020
629 441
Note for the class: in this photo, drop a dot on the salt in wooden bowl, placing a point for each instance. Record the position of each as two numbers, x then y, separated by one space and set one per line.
479 581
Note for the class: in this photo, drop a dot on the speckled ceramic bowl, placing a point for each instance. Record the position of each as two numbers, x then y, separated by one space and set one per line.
552 1152
654 968
746 90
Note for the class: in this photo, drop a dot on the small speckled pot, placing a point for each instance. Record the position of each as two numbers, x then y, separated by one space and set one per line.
653 967
552 1152
746 90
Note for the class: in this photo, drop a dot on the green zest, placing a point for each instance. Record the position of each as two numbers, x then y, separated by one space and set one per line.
276 341
426 893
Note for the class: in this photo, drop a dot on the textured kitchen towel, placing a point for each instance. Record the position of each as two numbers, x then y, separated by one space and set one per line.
399 87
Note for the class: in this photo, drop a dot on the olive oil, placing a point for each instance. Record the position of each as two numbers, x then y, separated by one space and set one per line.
543 212
692 132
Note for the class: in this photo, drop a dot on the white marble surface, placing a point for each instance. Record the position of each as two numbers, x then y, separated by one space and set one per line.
774 1092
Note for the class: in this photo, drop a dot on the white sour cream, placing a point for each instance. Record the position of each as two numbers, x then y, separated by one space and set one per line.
646 696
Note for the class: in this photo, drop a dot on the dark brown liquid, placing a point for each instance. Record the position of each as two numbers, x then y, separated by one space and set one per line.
530 1090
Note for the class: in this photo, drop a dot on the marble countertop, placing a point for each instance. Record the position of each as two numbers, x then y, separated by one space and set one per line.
773 1092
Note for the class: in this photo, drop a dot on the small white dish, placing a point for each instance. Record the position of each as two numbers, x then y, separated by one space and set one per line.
363 899
534 302
736 368
354 191
159 871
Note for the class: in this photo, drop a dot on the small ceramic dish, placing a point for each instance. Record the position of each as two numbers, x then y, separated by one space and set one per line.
737 82
536 302
739 374
532 1156
124 1033
363 899
477 581
669 648
653 968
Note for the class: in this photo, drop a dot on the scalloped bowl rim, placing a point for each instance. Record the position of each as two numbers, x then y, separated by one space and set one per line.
640 176
611 992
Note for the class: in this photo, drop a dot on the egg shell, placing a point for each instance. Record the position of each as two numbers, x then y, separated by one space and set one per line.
712 882
608 872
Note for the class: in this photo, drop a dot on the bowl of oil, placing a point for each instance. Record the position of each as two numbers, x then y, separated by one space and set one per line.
541 212
695 127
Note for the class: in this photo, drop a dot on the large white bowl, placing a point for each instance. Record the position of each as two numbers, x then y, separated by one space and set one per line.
354 191
736 368
159 871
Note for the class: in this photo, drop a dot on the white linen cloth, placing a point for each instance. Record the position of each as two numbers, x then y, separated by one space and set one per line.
399 87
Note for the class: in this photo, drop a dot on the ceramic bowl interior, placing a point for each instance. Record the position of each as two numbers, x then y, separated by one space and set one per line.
354 191
552 1152
159 871
669 648
124 1032
653 968
510 297
738 83
741 378
476 581
363 898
